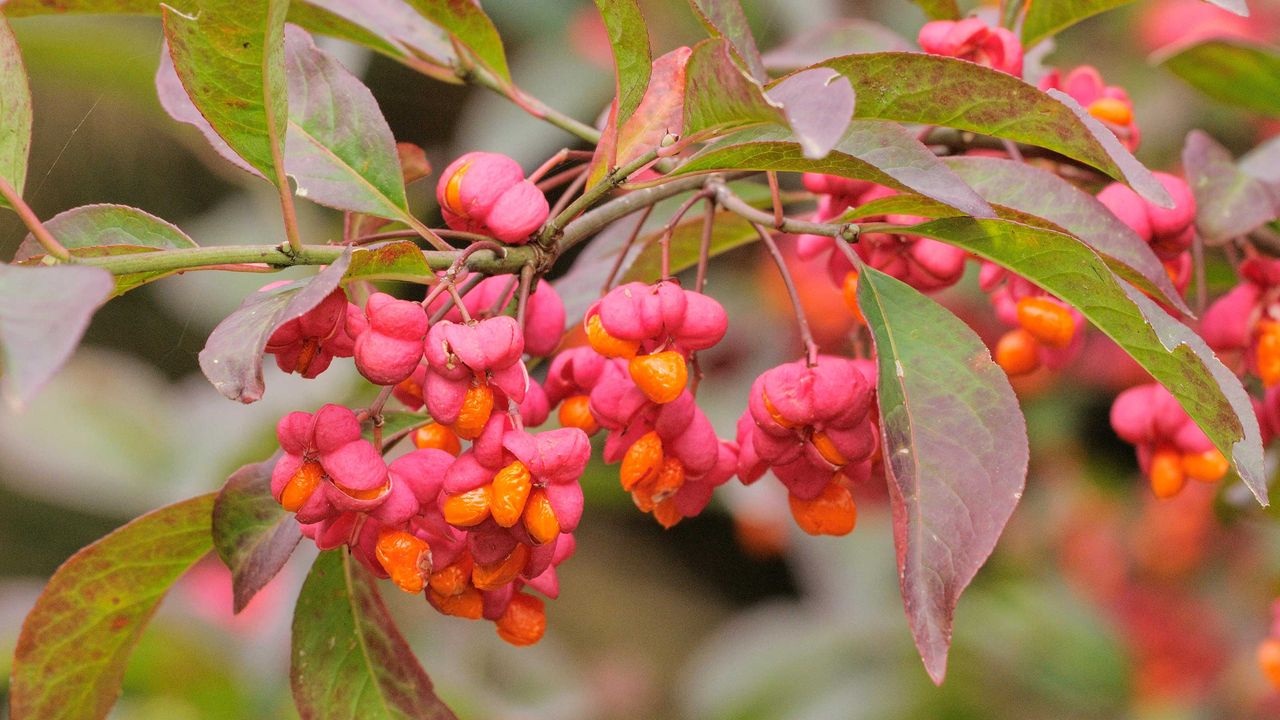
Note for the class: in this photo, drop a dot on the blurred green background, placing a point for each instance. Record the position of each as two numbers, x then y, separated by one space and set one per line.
1098 603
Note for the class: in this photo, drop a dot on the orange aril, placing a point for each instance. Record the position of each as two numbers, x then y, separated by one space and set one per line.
849 290
370 494
661 486
1112 110
1207 466
660 376
1269 660
300 487
469 508
1047 320
1165 473
576 412
453 579
539 519
607 345
828 449
833 512
492 576
524 622
477 405
511 487
467 604
438 437
1017 352
405 557
453 192
773 411
411 388
642 462
1268 352
310 347
666 513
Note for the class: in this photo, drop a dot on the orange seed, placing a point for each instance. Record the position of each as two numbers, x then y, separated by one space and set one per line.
576 412
1047 320
438 437
539 519
494 575
660 376
511 487
642 462
833 512
477 405
524 622
469 508
1017 352
300 487
405 557
1167 477
1208 466
607 345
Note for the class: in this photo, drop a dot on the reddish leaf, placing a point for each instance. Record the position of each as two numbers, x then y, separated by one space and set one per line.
253 535
76 641
956 450
660 112
43 314
175 101
232 357
720 96
394 261
724 18
818 104
1229 202
350 662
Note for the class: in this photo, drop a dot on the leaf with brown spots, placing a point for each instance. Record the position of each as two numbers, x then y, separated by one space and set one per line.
253 535
76 641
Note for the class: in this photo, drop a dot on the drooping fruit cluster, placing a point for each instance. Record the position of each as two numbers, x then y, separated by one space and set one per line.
1171 448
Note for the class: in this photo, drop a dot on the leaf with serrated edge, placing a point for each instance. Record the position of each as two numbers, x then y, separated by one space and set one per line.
1175 357
724 18
44 312
15 112
1236 72
883 153
338 149
229 57
232 357
1044 194
956 449
1044 19
349 660
1229 203
253 535
934 90
76 641
474 30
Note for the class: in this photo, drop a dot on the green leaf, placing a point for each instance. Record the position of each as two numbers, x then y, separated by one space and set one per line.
96 230
349 660
1229 202
729 232
720 96
395 261
253 535
725 19
1232 71
629 38
232 356
883 153
76 641
1173 354
1029 189
230 58
44 312
15 112
941 9
338 149
838 37
465 21
957 451
1044 19
933 90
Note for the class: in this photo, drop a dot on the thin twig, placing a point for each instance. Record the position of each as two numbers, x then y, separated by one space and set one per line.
29 218
522 299
626 250
806 335
504 297
704 245
594 194
448 304
563 177
563 156
775 196
535 107
731 202
569 192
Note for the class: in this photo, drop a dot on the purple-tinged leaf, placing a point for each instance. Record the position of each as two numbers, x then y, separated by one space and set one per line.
389 26
175 101
253 535
940 9
818 104
1175 357
1044 19
629 38
725 19
884 153
95 230
1236 72
839 37
1229 202
350 662
339 149
43 314
719 96
661 111
1263 162
232 357
465 21
229 57
956 449
76 641
934 90
401 261
1038 192
15 112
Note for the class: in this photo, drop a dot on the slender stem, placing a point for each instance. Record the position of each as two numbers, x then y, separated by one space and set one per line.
731 202
806 335
664 240
595 220
1197 261
457 300
535 107
704 247
287 209
574 188
447 305
563 177
377 237
611 181
504 297
775 195
29 218
626 250
427 233
522 299
563 156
